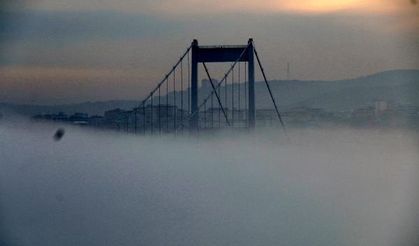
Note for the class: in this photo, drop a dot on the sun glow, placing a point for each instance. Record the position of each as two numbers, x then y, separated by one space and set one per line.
281 6
325 6
221 6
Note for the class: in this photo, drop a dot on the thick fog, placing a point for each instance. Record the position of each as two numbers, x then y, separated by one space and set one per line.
323 187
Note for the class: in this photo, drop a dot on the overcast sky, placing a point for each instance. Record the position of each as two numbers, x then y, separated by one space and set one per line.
64 51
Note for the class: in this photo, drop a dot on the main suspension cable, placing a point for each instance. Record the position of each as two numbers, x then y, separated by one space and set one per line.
270 91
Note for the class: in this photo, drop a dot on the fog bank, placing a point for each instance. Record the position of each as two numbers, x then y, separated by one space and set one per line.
325 187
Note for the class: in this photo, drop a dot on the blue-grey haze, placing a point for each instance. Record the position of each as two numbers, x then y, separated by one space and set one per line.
326 187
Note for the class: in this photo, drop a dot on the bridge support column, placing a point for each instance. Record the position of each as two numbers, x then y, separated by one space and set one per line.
222 54
251 76
194 124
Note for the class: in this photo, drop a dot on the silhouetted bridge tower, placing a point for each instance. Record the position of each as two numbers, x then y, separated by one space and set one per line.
178 103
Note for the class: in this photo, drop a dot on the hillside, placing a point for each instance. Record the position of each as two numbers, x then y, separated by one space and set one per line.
398 86
92 108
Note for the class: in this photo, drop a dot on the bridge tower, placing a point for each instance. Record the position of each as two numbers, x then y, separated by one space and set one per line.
173 104
219 54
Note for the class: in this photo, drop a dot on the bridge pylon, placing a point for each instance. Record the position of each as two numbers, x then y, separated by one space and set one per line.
220 54
174 104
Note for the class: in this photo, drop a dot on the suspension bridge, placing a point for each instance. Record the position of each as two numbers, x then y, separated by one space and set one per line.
177 103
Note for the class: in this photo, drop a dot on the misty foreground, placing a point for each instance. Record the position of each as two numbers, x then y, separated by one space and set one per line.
325 187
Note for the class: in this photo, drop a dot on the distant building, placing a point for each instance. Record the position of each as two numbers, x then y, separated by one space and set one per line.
381 107
214 117
59 117
79 118
116 118
96 120
364 116
164 117
265 117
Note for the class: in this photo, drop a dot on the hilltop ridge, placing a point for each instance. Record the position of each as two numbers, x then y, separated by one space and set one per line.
393 86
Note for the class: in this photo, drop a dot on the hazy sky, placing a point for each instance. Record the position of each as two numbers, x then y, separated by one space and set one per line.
59 51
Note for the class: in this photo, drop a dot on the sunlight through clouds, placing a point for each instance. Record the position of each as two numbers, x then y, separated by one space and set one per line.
325 6
220 6
132 42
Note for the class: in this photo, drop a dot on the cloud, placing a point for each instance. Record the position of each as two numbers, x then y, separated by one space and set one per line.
196 7
148 36
133 51
60 85
326 6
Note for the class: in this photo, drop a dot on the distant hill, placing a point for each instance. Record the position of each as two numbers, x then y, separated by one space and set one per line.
92 108
398 86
